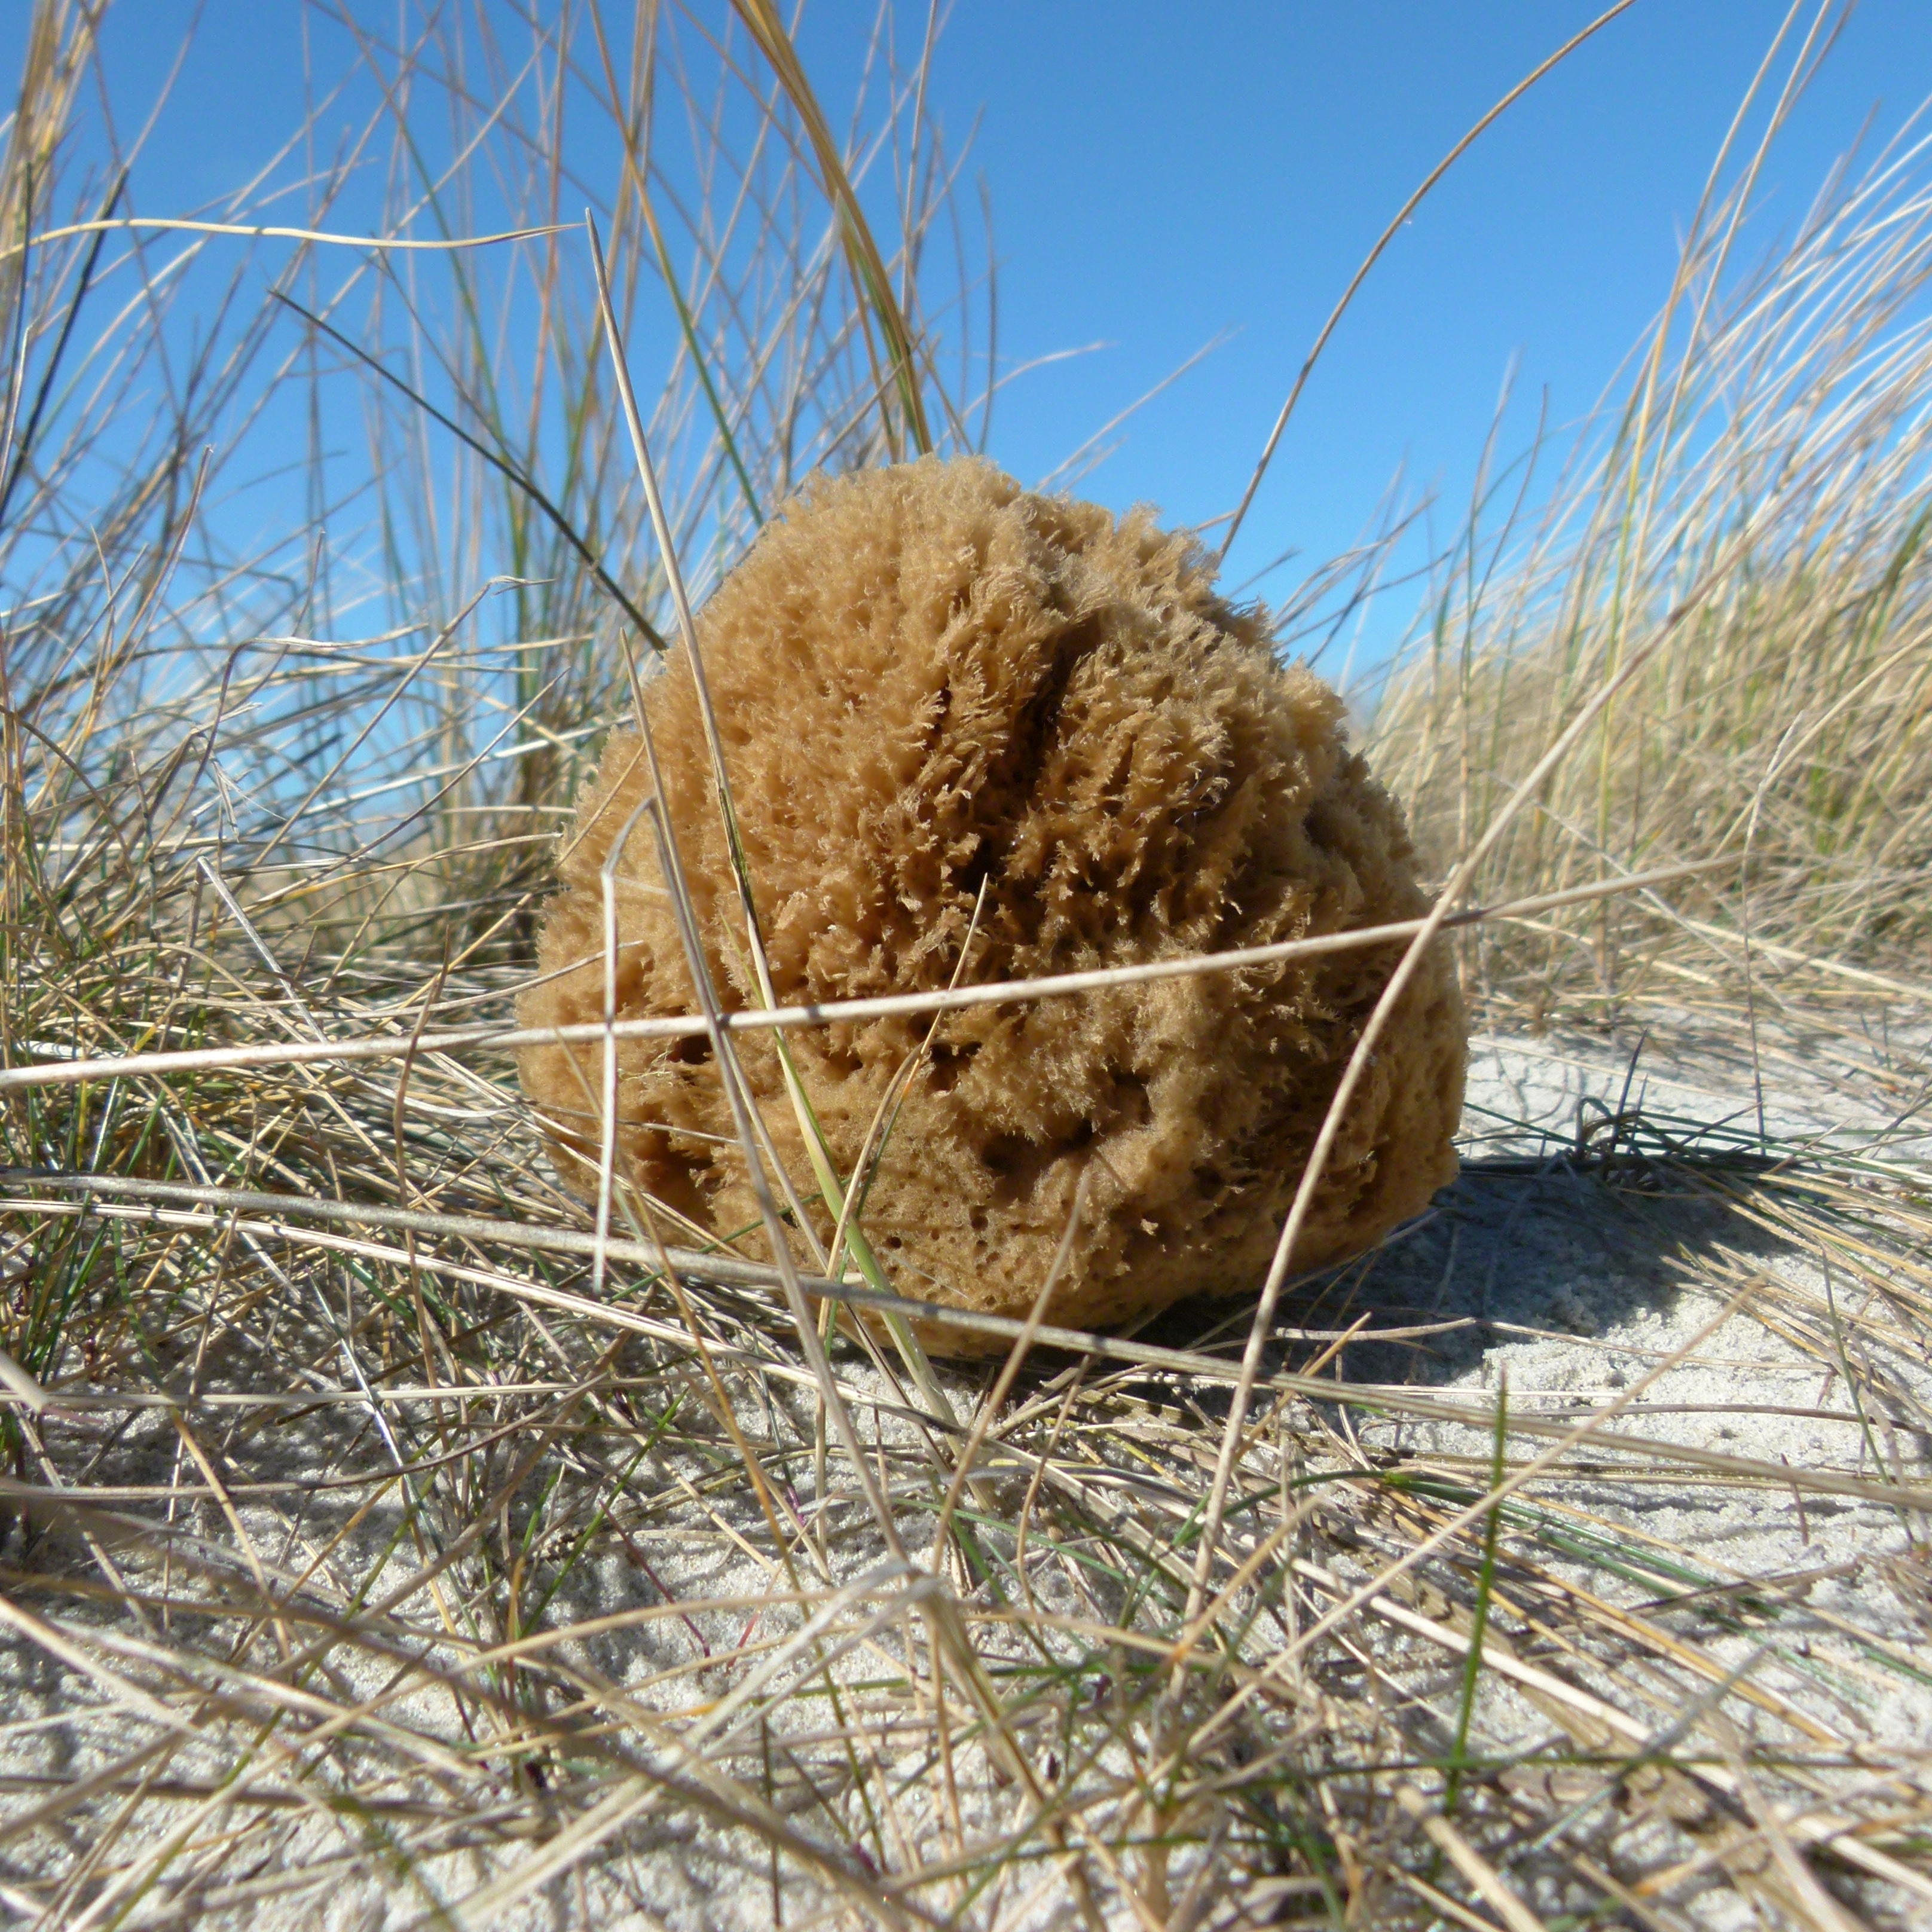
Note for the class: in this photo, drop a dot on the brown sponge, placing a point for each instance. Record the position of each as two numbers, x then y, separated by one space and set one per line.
926 677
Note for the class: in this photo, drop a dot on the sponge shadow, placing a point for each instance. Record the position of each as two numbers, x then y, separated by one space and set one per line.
1590 1185
1564 1247
1562 1239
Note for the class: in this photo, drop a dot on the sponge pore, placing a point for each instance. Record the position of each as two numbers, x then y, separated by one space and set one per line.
927 679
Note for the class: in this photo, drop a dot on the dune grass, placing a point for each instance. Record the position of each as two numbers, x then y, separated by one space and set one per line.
389 1541
1766 462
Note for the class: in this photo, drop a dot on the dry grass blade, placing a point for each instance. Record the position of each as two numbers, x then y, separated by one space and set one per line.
73 1069
903 361
264 231
1382 242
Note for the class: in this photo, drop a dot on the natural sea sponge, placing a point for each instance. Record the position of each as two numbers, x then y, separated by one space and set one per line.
926 678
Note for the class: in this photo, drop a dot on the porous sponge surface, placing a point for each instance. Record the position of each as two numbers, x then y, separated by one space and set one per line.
924 678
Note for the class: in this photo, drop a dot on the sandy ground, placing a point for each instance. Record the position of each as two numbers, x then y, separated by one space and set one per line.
1606 1266
1573 1291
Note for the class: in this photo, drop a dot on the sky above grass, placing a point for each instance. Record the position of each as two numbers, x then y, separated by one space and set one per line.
1164 176
1161 174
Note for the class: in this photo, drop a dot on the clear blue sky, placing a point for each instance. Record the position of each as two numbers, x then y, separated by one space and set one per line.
1161 171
